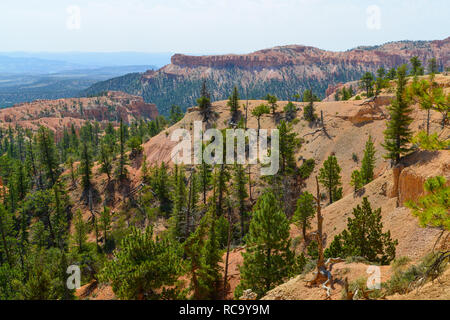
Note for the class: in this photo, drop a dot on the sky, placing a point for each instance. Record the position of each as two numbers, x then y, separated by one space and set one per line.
215 26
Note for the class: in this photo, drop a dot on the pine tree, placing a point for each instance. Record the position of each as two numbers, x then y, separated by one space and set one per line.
179 205
70 164
81 230
144 267
233 101
160 185
176 114
309 110
381 82
209 275
240 194
366 83
20 180
392 74
66 293
433 66
258 112
433 209
364 237
20 144
305 212
135 144
221 178
268 259
59 217
429 95
306 169
86 169
346 93
121 169
368 162
330 178
397 135
105 223
145 171
192 202
106 160
74 141
430 142
204 102
417 69
309 96
31 163
47 154
193 248
288 145
290 110
356 180
205 178
11 144
272 100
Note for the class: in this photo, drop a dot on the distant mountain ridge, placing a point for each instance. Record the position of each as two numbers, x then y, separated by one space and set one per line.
283 71
18 88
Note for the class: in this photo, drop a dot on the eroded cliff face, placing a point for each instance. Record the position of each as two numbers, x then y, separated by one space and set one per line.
409 177
388 55
282 71
57 114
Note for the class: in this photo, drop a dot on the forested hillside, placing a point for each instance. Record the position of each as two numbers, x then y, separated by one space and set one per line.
361 182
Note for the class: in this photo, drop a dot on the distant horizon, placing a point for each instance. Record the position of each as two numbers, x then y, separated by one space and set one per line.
214 53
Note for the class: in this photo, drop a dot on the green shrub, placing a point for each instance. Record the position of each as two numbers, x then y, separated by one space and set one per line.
398 263
306 169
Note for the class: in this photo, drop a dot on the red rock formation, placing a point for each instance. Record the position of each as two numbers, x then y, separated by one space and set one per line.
388 55
57 114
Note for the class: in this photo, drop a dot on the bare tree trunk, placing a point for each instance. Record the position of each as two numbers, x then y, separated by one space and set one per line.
94 219
321 274
246 110
225 277
188 211
221 191
320 261
250 182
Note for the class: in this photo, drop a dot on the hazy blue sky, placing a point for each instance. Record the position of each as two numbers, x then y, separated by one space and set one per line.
219 26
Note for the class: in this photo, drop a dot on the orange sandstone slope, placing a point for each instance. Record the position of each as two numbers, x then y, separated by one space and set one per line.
348 125
414 242
57 114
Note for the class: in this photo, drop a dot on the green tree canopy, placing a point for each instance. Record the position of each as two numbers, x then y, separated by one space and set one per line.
144 267
330 178
304 212
268 259
433 209
364 237
398 134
